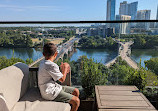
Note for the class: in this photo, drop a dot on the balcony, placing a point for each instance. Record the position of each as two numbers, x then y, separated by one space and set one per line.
118 50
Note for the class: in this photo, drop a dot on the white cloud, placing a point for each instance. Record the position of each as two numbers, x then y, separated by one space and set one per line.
25 8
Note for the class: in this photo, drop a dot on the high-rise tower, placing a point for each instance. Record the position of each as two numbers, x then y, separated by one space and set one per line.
111 4
129 9
143 15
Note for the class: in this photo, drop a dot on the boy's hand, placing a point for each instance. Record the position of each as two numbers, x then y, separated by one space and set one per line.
61 66
65 66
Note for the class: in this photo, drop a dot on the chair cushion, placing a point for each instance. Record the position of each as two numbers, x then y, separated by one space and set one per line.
32 101
11 79
41 106
32 95
3 106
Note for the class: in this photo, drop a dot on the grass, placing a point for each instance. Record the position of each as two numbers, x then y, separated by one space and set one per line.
35 40
56 40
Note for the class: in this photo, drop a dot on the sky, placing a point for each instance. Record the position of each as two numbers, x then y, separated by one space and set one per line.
63 10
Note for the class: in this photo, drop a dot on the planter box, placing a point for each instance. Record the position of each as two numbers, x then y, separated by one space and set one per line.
87 105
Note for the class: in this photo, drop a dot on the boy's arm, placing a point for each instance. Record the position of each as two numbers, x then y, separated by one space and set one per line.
65 69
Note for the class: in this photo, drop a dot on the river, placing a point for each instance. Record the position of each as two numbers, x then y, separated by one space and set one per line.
99 55
22 53
143 55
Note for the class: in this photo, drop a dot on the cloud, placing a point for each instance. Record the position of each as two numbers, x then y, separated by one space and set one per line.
25 8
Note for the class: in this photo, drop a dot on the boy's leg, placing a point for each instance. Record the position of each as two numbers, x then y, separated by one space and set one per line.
68 98
76 92
75 102
71 90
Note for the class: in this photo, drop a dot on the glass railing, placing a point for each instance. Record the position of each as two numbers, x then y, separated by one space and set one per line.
99 53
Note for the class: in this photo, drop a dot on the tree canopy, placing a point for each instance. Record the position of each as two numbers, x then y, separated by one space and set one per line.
97 42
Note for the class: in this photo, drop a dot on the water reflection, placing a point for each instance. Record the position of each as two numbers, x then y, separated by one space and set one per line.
99 55
22 53
143 54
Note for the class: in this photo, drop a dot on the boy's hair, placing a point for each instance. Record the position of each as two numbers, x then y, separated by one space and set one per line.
49 49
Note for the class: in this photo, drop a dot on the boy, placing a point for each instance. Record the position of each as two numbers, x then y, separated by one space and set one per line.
49 73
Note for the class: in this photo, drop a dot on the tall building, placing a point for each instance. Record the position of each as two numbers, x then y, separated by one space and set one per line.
156 24
124 28
123 10
157 13
143 15
129 9
111 4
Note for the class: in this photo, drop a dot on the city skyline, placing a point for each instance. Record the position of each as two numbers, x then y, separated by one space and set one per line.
64 11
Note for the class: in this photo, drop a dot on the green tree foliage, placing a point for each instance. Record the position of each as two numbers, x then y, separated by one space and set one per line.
61 33
15 39
98 42
122 74
152 64
143 41
28 61
92 74
88 73
66 39
4 62
137 78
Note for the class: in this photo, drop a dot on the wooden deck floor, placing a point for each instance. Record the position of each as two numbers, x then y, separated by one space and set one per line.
121 98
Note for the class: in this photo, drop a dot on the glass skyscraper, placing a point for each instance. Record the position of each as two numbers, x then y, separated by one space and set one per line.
129 9
111 4
133 10
157 14
143 15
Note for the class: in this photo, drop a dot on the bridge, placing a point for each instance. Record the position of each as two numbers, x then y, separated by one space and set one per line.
124 53
62 50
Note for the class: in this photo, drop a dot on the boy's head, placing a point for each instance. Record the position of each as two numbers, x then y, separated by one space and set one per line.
50 50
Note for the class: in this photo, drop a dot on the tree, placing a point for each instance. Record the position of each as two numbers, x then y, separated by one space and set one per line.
152 64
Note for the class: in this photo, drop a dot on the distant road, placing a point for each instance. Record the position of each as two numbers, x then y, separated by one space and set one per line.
124 52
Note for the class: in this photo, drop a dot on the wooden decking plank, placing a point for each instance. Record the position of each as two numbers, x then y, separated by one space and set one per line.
124 103
123 93
125 110
97 96
121 98
119 88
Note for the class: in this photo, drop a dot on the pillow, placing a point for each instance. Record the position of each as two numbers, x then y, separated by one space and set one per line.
3 106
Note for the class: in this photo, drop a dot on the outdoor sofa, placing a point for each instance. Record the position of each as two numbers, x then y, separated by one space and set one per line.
17 93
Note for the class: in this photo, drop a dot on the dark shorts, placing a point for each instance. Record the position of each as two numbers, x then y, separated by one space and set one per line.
65 95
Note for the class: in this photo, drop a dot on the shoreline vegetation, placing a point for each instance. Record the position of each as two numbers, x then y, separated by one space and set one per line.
97 42
142 41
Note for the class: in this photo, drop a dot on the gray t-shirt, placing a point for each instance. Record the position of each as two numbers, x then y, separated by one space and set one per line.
48 74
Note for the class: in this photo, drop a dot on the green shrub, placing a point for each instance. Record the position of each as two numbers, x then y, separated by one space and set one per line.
152 64
92 74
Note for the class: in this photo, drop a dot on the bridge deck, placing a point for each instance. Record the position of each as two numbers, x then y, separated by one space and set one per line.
123 53
121 98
